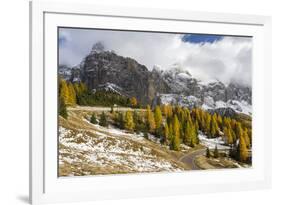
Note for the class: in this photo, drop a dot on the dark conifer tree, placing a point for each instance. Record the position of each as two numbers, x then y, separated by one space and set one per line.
208 152
216 152
62 108
103 120
111 109
121 120
175 143
94 119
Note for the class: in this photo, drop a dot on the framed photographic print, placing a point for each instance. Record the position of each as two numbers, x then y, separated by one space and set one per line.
129 102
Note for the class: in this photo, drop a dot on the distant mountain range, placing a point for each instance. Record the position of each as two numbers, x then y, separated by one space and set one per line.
102 69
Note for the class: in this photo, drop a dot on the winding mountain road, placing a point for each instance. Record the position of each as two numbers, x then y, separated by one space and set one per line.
190 158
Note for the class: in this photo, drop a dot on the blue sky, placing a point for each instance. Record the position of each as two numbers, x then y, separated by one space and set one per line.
201 38
205 56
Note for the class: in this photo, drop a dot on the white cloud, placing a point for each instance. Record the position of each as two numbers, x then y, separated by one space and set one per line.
225 60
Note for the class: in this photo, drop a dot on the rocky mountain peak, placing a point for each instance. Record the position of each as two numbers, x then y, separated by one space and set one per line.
133 79
98 48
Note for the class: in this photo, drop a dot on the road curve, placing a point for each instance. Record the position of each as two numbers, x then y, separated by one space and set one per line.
190 158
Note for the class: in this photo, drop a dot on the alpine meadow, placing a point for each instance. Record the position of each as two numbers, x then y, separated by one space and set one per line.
140 102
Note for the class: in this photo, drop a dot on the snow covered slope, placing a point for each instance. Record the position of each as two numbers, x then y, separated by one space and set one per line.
88 149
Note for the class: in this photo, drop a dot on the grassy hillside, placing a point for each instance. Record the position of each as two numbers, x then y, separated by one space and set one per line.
88 149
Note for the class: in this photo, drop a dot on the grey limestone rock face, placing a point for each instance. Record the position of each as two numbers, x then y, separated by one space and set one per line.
135 79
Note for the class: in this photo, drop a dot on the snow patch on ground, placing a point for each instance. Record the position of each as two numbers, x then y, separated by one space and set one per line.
219 104
208 103
106 150
168 98
153 138
242 107
111 87
212 142
182 100
116 132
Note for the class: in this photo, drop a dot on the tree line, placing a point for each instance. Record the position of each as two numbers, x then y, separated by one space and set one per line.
71 94
173 125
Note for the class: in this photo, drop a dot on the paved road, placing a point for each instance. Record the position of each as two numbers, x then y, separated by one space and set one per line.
190 157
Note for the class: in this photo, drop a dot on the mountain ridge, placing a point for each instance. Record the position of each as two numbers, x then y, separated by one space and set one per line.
102 67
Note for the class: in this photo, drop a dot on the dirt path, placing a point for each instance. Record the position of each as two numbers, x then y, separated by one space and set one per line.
190 158
101 109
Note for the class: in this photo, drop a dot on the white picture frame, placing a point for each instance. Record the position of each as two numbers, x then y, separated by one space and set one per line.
46 187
